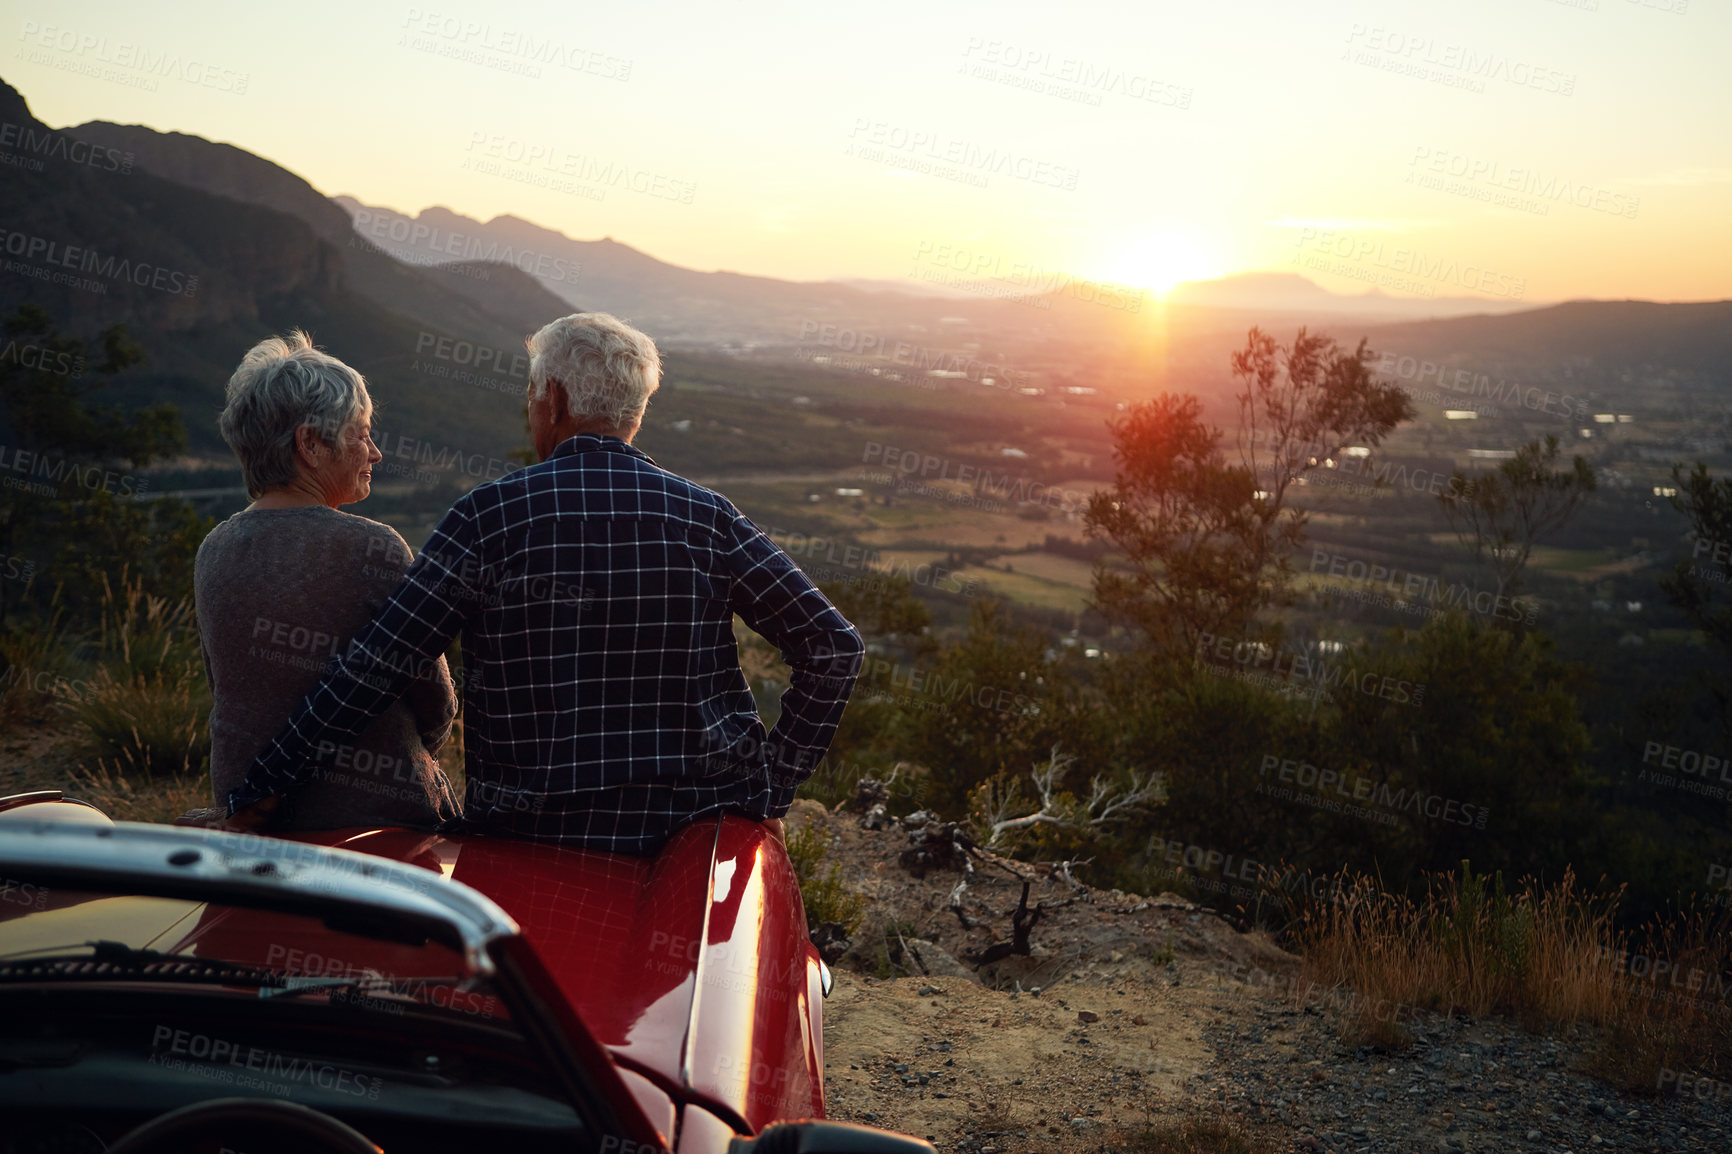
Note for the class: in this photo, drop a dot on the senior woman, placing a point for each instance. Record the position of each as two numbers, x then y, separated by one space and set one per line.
281 586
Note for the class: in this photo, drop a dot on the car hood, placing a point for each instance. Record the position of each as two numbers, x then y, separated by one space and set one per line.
684 965
604 924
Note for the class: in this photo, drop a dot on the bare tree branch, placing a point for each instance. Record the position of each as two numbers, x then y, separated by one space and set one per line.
1107 803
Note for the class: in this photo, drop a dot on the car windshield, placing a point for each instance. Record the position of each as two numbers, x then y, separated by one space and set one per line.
49 936
120 1007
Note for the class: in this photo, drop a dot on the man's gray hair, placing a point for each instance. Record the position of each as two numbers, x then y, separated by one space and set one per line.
282 384
607 368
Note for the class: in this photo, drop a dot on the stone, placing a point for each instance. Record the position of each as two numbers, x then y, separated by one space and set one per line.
932 960
832 942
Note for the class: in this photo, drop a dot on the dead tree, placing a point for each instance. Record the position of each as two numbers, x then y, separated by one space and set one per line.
1107 803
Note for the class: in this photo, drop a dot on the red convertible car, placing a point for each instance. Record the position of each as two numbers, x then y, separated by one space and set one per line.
166 989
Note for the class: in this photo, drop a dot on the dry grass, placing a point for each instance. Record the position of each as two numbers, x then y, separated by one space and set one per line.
146 707
1679 1020
1196 1136
139 797
38 671
1538 954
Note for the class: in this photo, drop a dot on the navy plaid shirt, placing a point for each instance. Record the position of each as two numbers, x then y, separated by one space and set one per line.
604 704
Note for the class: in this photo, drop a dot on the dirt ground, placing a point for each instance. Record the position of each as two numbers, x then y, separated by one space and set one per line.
963 1065
1096 1032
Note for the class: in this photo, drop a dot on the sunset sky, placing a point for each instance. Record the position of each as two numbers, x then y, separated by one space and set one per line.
1529 148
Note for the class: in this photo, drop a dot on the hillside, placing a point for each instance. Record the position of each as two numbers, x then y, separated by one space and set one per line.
198 277
1134 1013
1690 337
446 298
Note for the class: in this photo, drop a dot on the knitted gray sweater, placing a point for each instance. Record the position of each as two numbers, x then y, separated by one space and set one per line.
279 592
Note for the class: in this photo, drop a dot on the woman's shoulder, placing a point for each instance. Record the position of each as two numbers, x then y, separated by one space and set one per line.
353 526
347 533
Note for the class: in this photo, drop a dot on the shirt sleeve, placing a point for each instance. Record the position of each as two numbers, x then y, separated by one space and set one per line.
403 642
431 697
824 651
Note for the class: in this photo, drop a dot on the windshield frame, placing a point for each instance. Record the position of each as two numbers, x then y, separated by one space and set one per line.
354 892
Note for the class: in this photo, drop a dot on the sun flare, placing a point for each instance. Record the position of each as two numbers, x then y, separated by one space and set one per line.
1158 259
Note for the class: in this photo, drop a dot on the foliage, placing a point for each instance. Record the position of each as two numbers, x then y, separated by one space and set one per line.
1483 756
102 533
1707 503
41 669
1499 728
1207 736
1500 515
1207 543
883 604
989 704
141 798
147 706
77 513
1303 405
1537 953
1185 523
826 896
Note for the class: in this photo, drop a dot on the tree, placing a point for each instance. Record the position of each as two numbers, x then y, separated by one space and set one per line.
1207 543
1499 516
1301 406
1186 524
1108 804
882 604
72 507
1708 505
990 704
1500 735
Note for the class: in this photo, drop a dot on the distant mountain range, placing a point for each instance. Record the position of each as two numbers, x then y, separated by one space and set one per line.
202 248
1290 292
677 305
723 306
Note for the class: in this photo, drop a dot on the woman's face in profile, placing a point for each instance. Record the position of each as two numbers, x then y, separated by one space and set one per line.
344 473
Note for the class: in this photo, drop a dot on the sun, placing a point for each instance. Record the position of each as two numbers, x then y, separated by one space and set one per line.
1156 259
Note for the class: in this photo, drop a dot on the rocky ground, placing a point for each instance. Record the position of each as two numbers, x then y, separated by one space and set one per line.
1130 1014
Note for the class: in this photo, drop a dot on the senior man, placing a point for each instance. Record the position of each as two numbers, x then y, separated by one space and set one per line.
604 704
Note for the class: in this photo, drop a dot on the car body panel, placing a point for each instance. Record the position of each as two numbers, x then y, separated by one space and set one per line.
692 966
657 1107
757 1035
702 1132
691 969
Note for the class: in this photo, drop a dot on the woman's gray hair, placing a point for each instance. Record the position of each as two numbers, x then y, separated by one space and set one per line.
607 368
282 384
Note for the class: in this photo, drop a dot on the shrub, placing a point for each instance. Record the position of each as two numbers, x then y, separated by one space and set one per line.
146 709
1540 954
822 892
39 671
155 725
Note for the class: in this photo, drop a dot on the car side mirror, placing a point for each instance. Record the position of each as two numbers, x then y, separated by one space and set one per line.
812 1137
